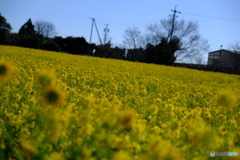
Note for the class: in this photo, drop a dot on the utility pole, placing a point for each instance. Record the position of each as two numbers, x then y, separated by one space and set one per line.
94 23
173 21
106 30
91 30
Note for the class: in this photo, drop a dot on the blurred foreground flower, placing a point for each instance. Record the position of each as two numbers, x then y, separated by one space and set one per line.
6 70
54 156
46 77
52 96
126 118
226 99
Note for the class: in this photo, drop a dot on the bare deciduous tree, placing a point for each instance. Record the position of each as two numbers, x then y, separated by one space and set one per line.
191 42
132 38
235 48
45 28
199 59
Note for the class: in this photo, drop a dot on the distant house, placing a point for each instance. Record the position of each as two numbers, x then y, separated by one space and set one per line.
224 58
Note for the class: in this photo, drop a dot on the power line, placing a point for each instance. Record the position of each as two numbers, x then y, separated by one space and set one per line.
205 8
122 24
113 23
125 24
212 17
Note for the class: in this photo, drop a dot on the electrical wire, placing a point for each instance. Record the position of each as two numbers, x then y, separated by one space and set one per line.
144 23
192 14
211 17
122 24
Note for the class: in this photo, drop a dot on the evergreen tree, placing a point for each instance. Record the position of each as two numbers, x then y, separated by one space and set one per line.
27 28
164 52
5 29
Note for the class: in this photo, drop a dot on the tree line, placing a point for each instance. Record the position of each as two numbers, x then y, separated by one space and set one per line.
163 44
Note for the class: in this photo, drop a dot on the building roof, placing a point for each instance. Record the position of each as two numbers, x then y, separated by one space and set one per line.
230 51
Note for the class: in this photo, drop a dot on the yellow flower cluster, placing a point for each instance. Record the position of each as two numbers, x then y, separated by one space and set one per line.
60 106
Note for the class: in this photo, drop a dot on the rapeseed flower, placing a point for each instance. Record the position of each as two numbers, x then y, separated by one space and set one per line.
53 96
54 156
226 99
126 118
131 113
153 109
85 154
6 70
157 100
28 150
87 129
46 77
121 155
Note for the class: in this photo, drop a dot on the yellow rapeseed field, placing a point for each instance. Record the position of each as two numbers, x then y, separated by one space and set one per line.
57 106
